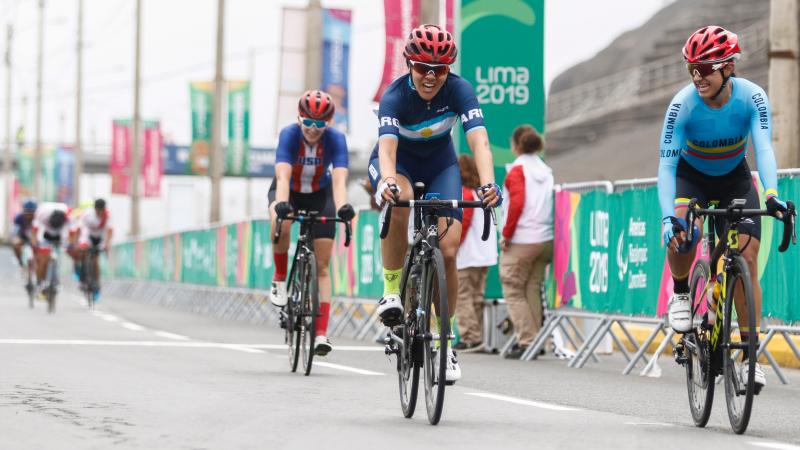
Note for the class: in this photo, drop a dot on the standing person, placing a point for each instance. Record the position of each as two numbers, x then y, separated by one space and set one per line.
527 235
702 156
304 180
416 114
473 260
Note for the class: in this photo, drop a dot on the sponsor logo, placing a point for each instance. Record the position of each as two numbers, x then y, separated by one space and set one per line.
471 114
441 110
389 121
373 172
722 142
760 104
309 160
672 117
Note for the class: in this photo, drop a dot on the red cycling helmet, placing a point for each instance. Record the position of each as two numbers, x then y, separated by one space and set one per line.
316 105
430 44
711 44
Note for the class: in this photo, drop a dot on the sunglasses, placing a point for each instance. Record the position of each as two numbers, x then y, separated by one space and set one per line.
320 124
423 69
704 69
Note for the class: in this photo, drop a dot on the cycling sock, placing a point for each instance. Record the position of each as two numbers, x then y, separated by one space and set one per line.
281 261
681 286
744 334
391 281
436 343
322 320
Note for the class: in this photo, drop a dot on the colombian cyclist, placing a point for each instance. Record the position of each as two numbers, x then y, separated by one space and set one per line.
91 229
21 232
416 114
304 180
703 145
50 228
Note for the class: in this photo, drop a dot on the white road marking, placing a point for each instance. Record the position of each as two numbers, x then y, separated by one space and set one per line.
346 368
344 348
660 424
775 445
168 335
109 317
520 401
130 344
132 326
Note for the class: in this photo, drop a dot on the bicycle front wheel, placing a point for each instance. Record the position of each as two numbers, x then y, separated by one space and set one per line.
407 364
739 375
52 286
435 329
294 293
309 311
699 377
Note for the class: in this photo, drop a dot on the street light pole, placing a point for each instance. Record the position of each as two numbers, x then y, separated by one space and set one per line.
7 159
217 161
76 182
37 152
137 155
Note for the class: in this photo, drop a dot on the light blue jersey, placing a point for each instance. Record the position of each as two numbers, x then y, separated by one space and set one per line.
714 141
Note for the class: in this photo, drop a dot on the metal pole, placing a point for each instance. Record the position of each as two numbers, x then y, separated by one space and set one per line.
216 126
37 152
249 198
137 155
314 45
76 182
7 159
784 70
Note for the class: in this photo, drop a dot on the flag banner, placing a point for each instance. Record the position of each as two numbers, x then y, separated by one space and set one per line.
201 98
65 175
236 162
151 162
120 157
401 16
335 61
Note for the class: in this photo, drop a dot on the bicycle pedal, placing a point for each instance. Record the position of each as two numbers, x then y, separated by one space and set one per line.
390 350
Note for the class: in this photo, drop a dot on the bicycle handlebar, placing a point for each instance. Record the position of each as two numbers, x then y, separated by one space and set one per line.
734 210
386 214
301 216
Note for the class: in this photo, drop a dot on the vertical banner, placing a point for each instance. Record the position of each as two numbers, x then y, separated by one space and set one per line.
65 174
47 185
120 156
449 7
25 172
151 162
201 94
401 16
238 128
335 61
508 80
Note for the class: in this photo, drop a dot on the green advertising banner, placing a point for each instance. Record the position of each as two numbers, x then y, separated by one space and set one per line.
201 95
367 266
236 162
261 259
199 257
26 179
508 79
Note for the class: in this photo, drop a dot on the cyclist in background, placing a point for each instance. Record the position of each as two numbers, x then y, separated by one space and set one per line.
91 229
21 232
304 180
416 114
50 227
703 146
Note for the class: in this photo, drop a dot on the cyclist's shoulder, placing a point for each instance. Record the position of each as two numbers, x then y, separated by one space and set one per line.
397 89
290 131
457 84
686 96
335 138
750 92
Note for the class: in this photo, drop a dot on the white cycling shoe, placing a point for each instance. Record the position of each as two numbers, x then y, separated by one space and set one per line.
322 346
390 310
680 313
277 294
453 371
760 379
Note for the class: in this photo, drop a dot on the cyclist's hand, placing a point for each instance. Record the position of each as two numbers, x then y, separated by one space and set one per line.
674 232
386 192
346 212
283 209
776 206
491 194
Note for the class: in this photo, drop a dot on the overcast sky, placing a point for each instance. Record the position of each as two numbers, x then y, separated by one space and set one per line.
178 46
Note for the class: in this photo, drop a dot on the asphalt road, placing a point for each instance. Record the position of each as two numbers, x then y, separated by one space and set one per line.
137 376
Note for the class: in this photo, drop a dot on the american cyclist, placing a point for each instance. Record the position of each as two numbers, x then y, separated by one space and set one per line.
303 180
21 232
416 114
703 146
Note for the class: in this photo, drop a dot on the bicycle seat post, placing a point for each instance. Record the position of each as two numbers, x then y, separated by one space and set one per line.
419 190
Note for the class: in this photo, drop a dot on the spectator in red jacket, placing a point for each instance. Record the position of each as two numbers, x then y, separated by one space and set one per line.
473 260
527 235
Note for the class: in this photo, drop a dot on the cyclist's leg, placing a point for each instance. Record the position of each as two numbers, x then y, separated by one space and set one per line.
323 246
96 242
281 249
447 183
17 243
689 184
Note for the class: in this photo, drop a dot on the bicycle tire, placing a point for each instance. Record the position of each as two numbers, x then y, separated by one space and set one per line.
699 376
292 330
29 285
407 369
309 311
88 280
52 286
738 395
435 361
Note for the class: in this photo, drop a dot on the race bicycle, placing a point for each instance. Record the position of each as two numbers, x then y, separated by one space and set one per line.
299 317
51 278
421 339
29 271
89 280
710 350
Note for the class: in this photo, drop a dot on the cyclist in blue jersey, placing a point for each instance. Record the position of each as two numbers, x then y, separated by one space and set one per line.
21 232
304 180
703 145
416 114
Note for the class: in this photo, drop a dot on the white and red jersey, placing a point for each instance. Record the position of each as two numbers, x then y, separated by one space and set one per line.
94 225
473 251
311 163
41 220
528 210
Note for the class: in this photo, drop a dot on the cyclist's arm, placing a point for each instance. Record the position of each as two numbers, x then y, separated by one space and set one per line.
340 171
388 135
109 235
285 156
673 137
477 138
387 156
283 173
761 129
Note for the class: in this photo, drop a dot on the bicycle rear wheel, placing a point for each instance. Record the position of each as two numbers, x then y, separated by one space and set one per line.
309 311
87 270
436 331
30 287
407 367
699 377
739 392
294 292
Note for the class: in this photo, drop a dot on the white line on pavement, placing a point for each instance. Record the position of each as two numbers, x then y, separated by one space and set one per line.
132 326
168 335
520 401
660 424
109 317
346 368
130 344
345 348
775 445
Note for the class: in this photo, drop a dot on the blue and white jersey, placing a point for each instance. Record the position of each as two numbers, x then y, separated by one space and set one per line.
311 163
714 141
423 127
